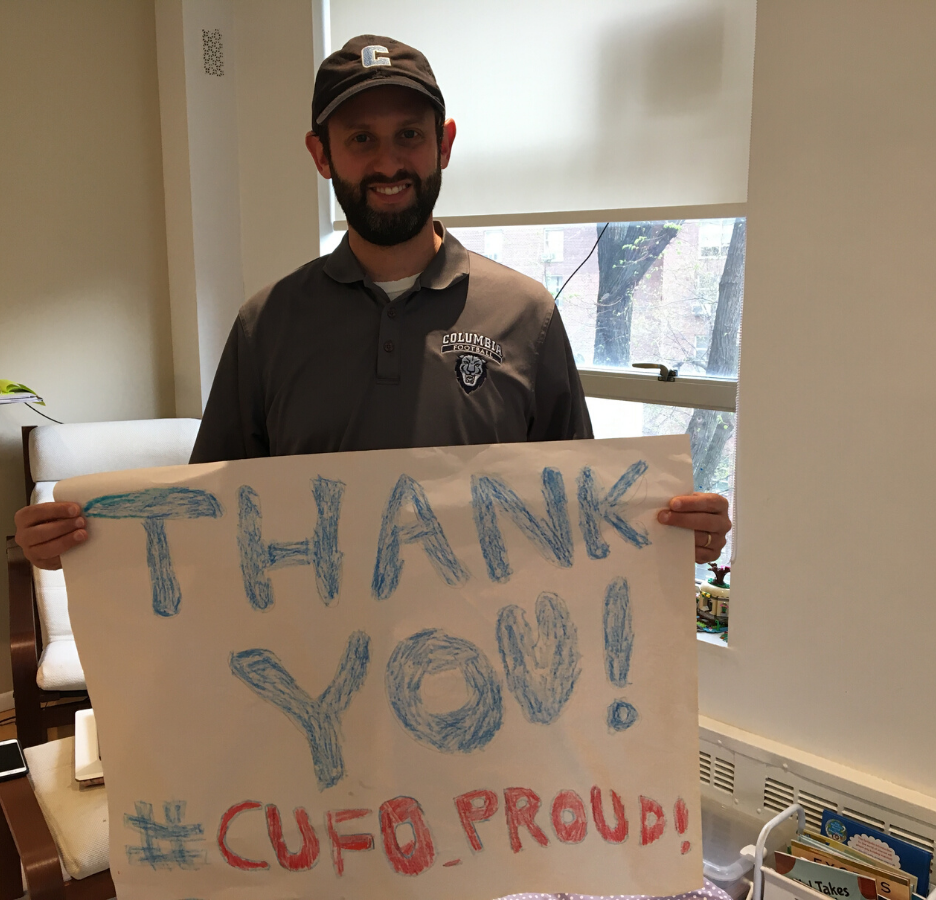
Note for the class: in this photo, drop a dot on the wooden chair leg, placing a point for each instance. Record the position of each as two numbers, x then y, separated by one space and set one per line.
11 880
94 887
33 840
29 728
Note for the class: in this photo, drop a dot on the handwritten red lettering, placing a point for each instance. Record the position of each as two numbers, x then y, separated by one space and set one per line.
650 832
618 834
681 815
569 832
342 842
416 855
524 815
469 812
304 858
230 857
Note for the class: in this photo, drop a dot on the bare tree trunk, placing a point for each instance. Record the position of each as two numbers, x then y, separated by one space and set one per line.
708 429
625 253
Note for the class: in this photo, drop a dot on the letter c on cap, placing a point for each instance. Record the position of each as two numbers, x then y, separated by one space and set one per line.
370 58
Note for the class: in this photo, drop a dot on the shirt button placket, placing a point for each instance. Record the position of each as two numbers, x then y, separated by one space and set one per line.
388 345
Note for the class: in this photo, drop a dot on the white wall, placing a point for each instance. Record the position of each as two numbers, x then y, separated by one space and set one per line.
84 311
239 184
833 614
278 202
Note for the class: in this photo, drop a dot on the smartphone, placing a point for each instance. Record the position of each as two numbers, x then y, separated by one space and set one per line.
12 761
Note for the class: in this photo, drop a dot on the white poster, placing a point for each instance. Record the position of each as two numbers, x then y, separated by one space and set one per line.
449 673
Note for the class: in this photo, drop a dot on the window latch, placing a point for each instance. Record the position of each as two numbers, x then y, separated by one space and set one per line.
665 374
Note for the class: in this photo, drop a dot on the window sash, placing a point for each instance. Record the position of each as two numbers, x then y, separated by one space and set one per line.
639 387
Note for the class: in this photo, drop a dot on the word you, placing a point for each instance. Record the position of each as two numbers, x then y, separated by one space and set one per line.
540 673
491 497
416 852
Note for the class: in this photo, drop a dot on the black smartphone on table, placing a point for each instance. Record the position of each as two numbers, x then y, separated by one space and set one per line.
12 761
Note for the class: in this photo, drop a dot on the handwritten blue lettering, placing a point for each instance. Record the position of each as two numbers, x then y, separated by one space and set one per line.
426 530
317 718
542 671
154 506
462 730
619 644
552 536
257 556
593 508
164 845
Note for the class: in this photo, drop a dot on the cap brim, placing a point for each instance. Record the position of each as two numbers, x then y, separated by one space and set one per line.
401 81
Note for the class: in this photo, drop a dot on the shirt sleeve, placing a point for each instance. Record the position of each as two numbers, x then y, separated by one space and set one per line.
233 425
559 410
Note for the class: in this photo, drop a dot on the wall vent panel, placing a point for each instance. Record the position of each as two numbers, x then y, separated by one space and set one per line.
723 775
777 795
705 767
814 805
863 818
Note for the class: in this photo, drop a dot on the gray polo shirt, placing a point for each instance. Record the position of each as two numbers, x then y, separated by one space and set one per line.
473 353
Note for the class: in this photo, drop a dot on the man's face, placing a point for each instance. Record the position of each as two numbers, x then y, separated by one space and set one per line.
385 162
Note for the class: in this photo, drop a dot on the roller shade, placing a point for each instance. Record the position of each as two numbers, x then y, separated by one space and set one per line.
591 105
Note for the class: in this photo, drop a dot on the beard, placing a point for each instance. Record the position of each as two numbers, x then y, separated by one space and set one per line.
388 228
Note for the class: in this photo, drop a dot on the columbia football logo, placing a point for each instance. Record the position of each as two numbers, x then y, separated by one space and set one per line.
471 371
472 342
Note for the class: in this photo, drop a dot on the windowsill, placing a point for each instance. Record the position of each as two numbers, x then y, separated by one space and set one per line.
713 639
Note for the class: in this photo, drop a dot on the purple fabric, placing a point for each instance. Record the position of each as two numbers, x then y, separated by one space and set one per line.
708 892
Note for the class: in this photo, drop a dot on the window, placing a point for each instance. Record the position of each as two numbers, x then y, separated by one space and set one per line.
552 245
648 294
654 290
494 245
553 283
714 237
615 106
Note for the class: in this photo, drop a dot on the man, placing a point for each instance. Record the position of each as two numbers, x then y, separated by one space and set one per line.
401 337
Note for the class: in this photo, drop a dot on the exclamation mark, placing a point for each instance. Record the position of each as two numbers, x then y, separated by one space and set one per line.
681 815
619 642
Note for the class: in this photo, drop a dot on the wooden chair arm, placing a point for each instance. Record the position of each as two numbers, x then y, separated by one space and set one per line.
23 648
33 840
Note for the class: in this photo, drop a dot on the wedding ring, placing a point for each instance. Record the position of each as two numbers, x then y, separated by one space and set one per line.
708 540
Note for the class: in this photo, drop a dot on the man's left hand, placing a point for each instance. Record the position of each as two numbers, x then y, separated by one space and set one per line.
707 516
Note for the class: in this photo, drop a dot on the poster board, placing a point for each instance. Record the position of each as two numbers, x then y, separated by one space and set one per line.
458 672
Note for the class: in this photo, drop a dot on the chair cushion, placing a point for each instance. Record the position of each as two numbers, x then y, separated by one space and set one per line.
60 668
77 819
64 451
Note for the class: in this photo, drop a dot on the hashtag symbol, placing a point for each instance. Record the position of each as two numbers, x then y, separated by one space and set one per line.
164 845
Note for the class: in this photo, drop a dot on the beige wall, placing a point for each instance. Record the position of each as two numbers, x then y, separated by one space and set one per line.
84 309
278 203
240 187
833 616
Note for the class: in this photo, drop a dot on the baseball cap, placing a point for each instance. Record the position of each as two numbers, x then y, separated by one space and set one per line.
369 61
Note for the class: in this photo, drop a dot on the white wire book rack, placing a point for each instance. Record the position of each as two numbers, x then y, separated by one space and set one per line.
769 884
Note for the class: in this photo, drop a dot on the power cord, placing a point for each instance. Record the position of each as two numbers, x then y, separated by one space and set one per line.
582 263
44 416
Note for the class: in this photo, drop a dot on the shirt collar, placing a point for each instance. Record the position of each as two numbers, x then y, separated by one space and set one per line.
449 265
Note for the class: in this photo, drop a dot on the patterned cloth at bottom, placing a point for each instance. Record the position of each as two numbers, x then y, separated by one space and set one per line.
708 892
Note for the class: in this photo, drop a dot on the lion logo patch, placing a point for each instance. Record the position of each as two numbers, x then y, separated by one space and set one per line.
471 371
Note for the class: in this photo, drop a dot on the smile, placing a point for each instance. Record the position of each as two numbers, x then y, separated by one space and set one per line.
389 190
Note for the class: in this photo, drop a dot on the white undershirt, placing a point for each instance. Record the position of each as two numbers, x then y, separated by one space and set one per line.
393 289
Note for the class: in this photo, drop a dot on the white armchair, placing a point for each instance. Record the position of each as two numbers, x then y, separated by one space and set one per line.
51 453
58 833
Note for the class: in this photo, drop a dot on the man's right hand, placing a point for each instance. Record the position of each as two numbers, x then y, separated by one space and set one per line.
46 530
